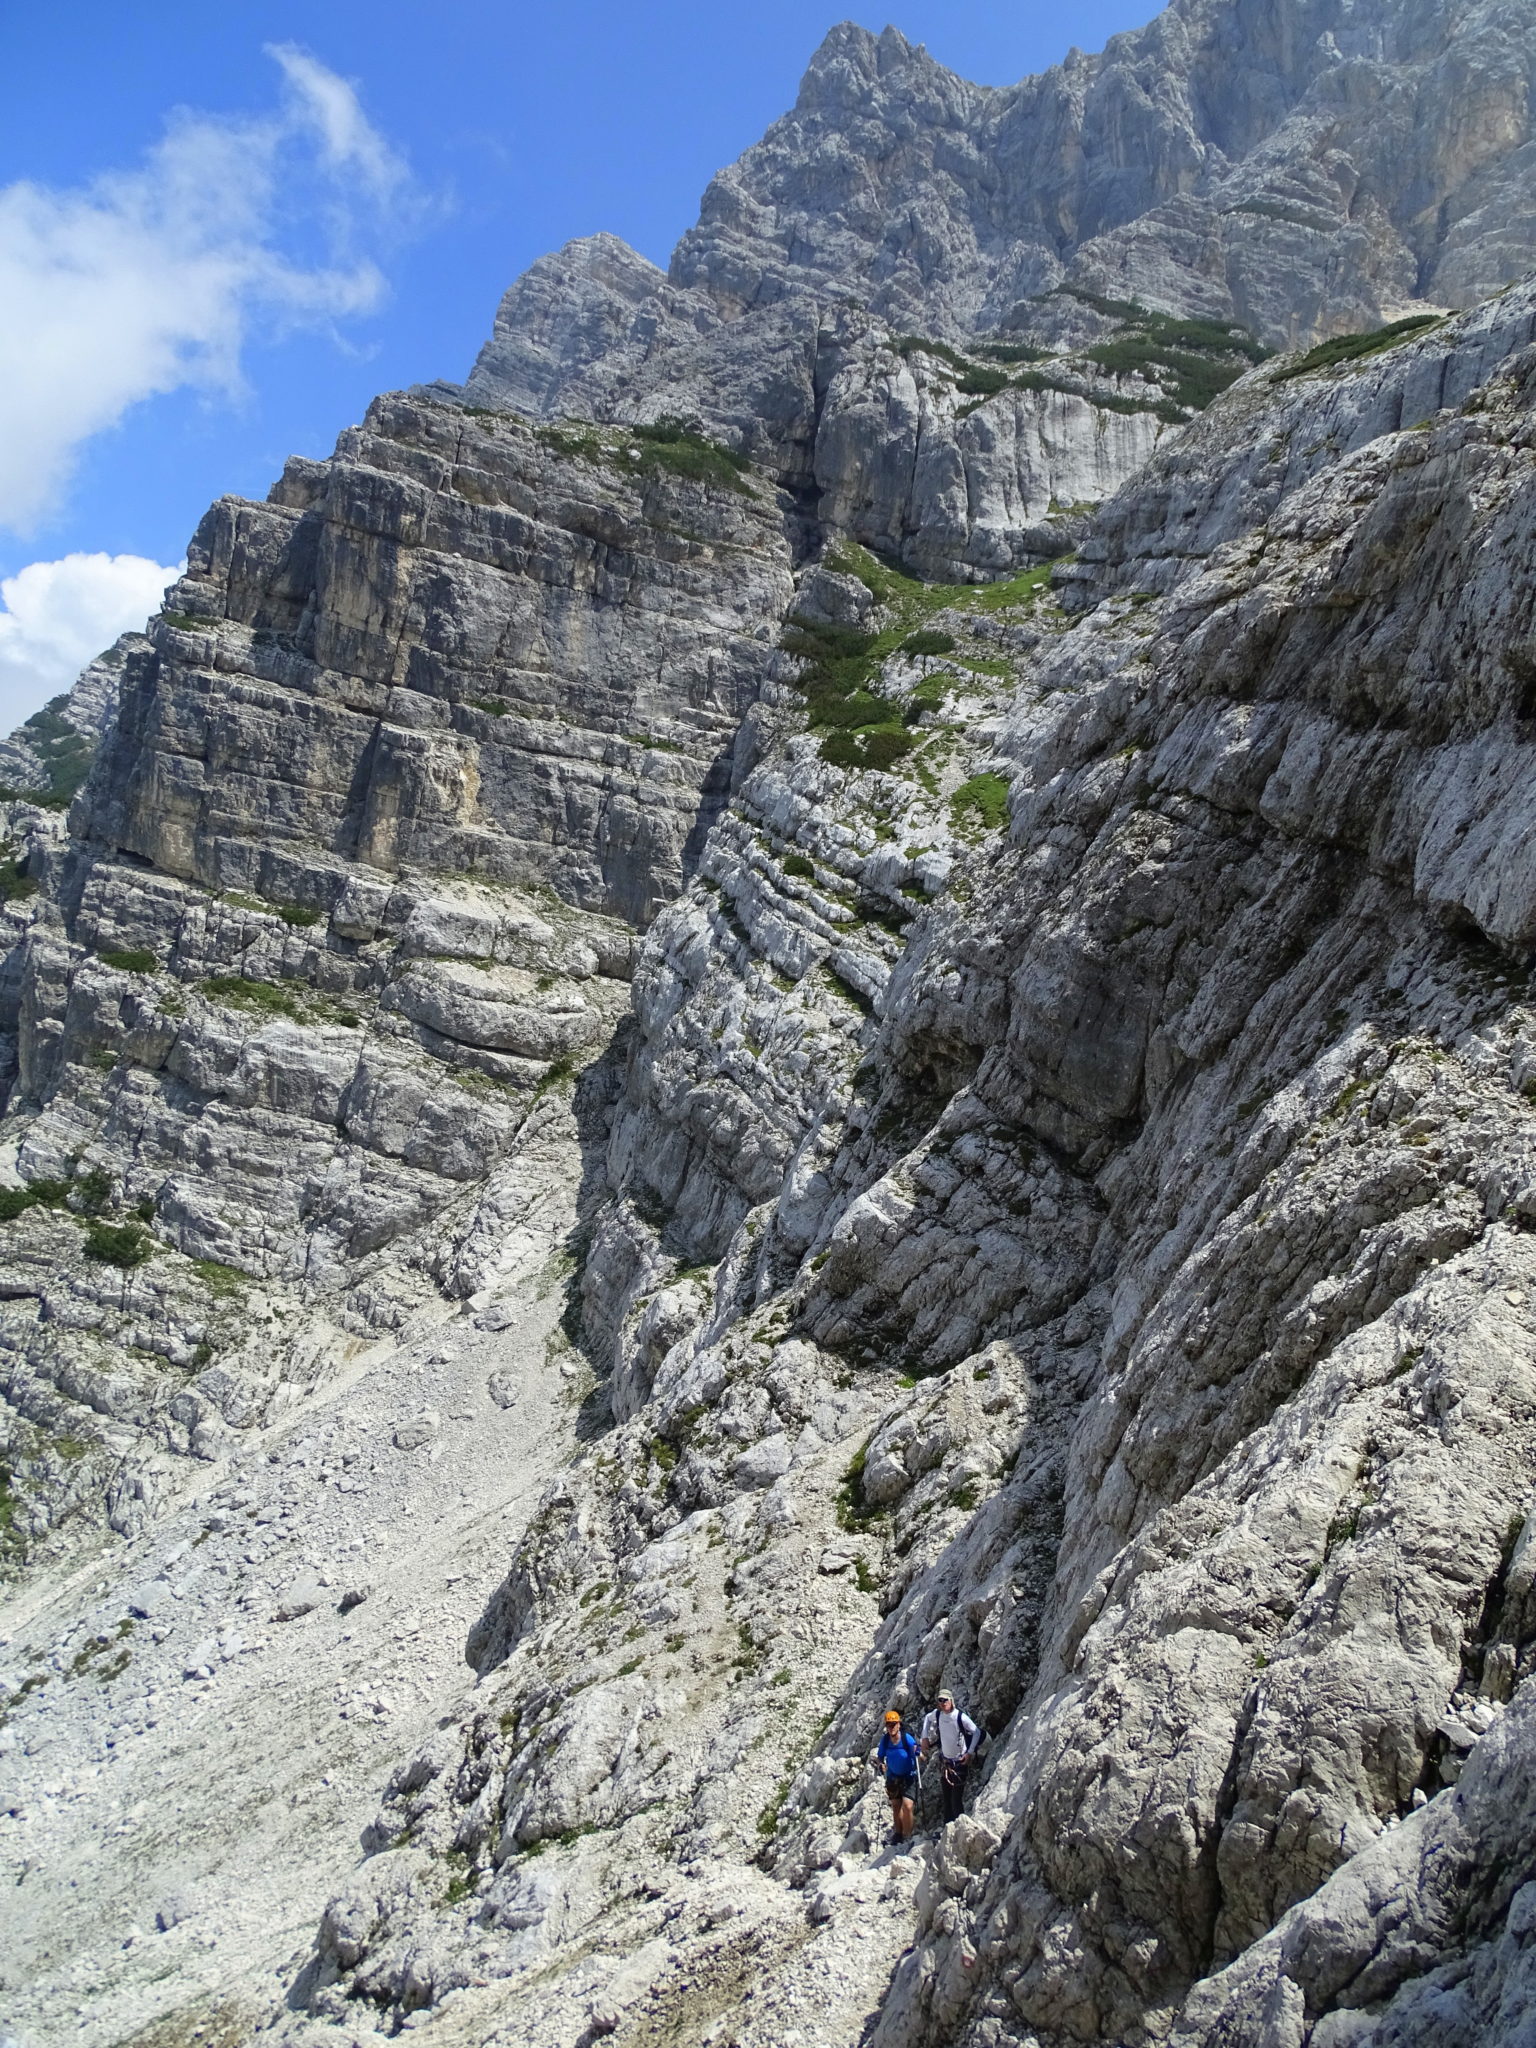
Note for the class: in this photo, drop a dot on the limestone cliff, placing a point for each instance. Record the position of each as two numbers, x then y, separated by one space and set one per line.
606 1079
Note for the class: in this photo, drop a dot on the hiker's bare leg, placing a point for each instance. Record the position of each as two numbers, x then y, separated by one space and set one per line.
904 1820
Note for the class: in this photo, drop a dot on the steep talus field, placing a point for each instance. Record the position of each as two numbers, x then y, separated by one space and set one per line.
822 992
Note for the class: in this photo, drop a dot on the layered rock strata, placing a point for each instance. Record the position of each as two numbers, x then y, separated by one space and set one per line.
810 1135
1181 1156
1291 172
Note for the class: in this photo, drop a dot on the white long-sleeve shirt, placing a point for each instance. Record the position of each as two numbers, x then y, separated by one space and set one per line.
955 1733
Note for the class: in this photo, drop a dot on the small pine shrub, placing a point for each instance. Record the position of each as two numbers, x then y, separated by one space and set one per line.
928 643
118 1244
131 960
1349 348
880 747
47 1194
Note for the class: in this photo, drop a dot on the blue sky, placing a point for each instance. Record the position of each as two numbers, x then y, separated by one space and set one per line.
360 240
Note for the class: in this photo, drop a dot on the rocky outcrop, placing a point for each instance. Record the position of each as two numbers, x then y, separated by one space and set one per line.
52 751
1182 1149
811 1134
1295 173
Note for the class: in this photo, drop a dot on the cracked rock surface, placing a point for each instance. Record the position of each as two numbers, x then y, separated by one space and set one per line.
633 1133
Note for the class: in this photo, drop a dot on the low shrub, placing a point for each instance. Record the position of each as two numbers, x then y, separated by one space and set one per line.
1349 348
669 444
246 993
879 746
118 1244
131 960
928 643
15 1202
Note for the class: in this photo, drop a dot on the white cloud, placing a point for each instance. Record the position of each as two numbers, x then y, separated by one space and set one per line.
150 279
328 103
57 616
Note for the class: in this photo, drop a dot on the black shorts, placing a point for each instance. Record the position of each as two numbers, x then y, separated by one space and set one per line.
901 1788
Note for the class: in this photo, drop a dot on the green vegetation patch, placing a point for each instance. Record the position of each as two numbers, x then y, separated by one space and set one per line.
118 1244
907 345
852 1512
131 960
244 992
666 444
15 883
1349 348
863 729
928 643
984 797
297 1001
39 1194
222 1282
669 444
66 755
1010 352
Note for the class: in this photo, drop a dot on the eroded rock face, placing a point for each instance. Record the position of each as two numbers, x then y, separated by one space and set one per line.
1185 1144
454 647
738 1238
1300 172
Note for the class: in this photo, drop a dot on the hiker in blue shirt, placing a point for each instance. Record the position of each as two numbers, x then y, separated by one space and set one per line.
897 1757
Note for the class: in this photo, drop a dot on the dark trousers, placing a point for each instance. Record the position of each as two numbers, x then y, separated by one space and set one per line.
952 1786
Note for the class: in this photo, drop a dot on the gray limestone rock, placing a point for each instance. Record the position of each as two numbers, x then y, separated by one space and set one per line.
742 1137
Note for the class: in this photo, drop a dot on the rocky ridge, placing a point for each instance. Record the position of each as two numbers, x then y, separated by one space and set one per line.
1019 1091
1097 233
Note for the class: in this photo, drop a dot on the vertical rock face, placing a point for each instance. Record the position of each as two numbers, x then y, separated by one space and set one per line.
1295 171
455 646
809 1133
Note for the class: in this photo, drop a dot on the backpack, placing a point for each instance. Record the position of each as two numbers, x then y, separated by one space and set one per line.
971 1731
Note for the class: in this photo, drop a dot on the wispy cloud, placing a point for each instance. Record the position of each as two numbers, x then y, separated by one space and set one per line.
57 616
151 279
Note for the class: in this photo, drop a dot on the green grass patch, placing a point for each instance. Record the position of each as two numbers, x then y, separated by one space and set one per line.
222 1282
298 914
131 960
983 797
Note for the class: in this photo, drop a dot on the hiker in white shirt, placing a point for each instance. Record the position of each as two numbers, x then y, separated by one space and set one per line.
955 1736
